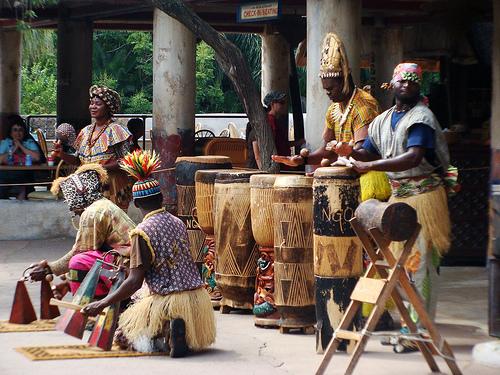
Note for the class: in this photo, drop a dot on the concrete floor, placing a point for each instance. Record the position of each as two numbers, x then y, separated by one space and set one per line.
242 348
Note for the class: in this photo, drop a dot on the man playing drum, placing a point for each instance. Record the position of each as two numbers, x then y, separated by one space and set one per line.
176 314
407 142
347 118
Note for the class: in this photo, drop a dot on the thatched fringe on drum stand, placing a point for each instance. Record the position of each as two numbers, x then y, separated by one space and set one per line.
146 317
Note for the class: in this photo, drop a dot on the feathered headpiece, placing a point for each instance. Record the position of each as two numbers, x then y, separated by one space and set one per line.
140 165
334 62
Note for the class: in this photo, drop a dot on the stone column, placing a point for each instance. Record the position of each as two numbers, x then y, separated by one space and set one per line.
10 75
388 53
74 70
174 86
342 17
275 63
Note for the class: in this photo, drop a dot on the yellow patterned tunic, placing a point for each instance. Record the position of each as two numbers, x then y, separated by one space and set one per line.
102 223
364 109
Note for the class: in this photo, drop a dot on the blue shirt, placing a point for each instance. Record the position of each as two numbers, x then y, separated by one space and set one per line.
419 135
6 143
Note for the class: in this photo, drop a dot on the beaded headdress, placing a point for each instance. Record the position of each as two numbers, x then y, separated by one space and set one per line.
334 62
83 187
108 96
407 72
140 165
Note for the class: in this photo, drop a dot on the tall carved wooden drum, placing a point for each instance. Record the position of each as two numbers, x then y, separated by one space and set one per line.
261 207
293 265
205 192
337 251
185 169
236 251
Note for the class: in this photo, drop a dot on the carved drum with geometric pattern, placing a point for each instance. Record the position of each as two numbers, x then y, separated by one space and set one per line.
338 253
293 248
185 170
236 250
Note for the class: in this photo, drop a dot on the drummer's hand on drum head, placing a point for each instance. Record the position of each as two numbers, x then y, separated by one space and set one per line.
340 148
361 166
292 161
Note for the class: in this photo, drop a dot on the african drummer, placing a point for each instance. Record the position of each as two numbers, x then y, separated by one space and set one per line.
176 315
347 118
407 143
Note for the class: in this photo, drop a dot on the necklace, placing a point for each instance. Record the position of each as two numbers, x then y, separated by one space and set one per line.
92 140
343 117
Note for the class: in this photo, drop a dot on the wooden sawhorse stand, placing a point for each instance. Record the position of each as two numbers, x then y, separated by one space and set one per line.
377 292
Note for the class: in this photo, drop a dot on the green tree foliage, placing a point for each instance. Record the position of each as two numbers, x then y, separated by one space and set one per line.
123 60
209 95
38 73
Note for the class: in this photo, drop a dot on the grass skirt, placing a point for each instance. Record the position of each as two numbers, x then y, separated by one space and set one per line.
146 317
433 216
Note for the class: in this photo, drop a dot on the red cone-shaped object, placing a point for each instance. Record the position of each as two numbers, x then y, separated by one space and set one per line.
22 309
47 311
105 325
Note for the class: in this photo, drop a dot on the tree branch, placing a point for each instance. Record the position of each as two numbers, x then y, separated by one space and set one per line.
234 65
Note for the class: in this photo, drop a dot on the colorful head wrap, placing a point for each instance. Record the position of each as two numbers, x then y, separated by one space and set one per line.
140 165
66 134
108 96
83 187
334 62
407 72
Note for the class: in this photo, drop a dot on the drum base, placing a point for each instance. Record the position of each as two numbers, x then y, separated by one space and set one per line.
269 321
332 300
310 330
296 317
228 305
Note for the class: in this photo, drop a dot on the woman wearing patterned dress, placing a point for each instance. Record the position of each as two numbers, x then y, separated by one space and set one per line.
104 142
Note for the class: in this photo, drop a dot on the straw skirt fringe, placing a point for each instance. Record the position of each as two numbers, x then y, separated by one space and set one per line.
146 317
433 216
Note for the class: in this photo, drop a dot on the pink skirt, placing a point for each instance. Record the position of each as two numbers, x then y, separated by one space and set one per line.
80 264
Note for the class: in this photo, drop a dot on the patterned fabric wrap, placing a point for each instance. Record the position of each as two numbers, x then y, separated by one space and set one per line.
407 187
114 142
334 62
81 190
108 96
146 188
66 134
173 268
407 72
80 265
450 180
364 109
102 224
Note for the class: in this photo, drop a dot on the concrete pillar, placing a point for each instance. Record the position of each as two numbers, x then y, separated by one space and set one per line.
74 70
275 63
342 17
388 53
174 85
10 77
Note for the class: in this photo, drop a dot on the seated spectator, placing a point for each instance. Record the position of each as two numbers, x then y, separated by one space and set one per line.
136 127
13 151
66 135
